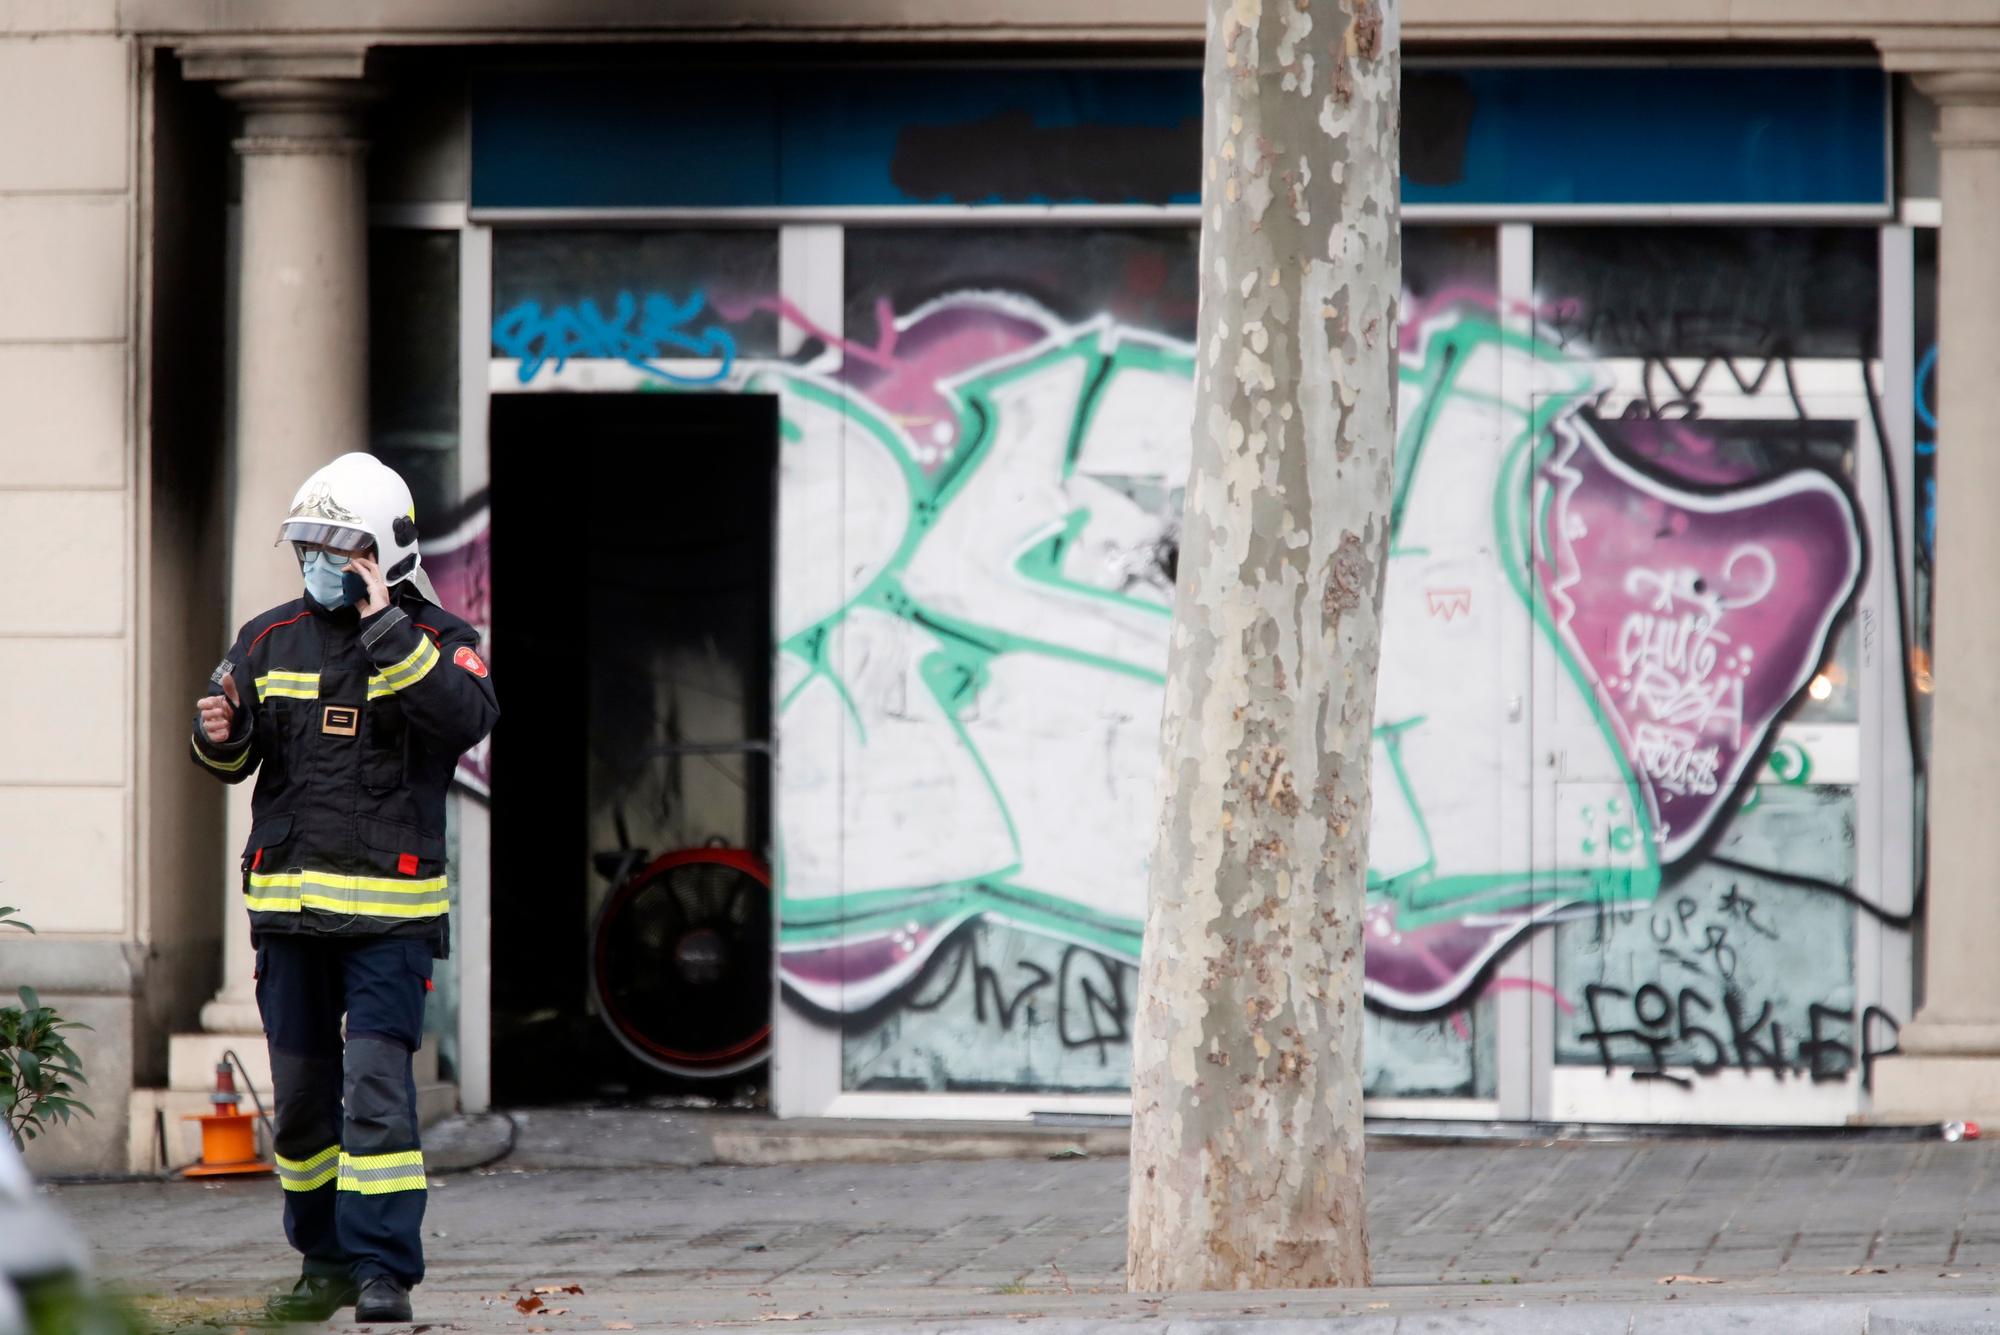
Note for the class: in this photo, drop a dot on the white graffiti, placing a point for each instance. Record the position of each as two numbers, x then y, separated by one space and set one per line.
1676 761
1683 671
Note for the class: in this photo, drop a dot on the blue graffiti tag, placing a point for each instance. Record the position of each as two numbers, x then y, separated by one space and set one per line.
1926 378
637 333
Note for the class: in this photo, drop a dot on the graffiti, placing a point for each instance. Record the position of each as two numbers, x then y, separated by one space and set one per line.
1009 553
1716 1037
1700 617
1736 967
1063 1011
1090 992
1926 392
1449 603
460 568
638 332
998 645
1927 424
978 536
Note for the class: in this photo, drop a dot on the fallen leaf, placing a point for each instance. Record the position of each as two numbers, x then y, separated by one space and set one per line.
1376 1307
556 1311
1689 1279
559 1288
538 1330
527 1305
1868 1270
620 1325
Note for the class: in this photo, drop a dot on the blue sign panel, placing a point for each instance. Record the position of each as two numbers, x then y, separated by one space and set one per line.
784 137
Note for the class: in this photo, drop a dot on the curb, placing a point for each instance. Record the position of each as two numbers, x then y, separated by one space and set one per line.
1905 1316
812 1141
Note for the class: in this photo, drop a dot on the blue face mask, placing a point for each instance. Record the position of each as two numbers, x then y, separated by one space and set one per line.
330 583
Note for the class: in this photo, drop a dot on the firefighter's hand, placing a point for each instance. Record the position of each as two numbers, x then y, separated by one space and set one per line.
378 589
218 712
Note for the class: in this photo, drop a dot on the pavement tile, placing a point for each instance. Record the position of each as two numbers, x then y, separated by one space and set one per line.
1588 1229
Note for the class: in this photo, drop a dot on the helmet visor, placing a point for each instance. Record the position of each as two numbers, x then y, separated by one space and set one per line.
333 537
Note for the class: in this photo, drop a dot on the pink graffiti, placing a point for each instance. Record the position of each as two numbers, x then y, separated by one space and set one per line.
882 354
936 346
460 567
1419 969
1422 310
908 372
1463 1029
1698 616
1535 985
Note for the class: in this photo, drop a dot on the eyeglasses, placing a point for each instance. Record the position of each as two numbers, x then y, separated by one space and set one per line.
337 559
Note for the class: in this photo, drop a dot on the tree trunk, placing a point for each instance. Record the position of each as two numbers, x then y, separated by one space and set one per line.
1247 1135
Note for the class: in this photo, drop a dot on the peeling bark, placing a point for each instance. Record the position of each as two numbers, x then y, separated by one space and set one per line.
1247 1135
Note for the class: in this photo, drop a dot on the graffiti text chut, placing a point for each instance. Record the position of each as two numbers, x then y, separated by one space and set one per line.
640 332
1667 664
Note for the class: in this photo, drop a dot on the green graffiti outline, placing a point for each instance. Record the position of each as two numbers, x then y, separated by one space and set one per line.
964 651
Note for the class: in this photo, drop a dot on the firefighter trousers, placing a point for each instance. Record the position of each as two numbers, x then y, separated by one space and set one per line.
347 1148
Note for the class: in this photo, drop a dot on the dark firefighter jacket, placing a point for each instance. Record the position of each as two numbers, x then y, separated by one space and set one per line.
353 728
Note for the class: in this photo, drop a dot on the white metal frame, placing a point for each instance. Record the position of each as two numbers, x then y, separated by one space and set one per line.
1526 1012
475 818
805 1054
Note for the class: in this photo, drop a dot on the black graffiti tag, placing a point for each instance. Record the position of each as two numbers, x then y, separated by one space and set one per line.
1093 1002
1659 1024
1093 1013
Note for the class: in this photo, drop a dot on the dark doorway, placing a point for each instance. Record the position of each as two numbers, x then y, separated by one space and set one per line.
633 557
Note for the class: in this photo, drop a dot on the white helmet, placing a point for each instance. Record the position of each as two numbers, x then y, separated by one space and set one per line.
357 501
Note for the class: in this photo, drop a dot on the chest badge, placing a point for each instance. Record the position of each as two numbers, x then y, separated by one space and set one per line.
340 721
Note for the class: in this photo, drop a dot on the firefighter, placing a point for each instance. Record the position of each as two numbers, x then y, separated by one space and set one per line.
351 705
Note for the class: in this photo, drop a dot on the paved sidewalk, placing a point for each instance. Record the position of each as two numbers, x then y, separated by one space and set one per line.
1568 1237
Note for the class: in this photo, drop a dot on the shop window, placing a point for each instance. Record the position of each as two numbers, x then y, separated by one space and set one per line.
651 299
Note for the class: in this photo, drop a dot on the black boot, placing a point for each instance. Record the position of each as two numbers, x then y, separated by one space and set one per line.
313 1298
382 1299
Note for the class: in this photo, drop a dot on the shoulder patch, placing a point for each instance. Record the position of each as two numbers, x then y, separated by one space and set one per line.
470 661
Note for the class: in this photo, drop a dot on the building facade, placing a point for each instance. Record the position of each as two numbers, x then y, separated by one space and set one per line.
798 398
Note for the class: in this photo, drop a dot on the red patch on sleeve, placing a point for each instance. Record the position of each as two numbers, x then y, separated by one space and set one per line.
469 660
257 861
407 864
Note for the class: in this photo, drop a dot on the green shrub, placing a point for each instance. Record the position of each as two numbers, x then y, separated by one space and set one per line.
39 1071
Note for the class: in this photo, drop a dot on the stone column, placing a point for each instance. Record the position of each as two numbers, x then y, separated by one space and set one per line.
1950 1062
301 366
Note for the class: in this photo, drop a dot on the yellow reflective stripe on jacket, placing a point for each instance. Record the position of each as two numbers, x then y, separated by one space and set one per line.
335 893
410 671
381 1174
288 685
309 1174
224 766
